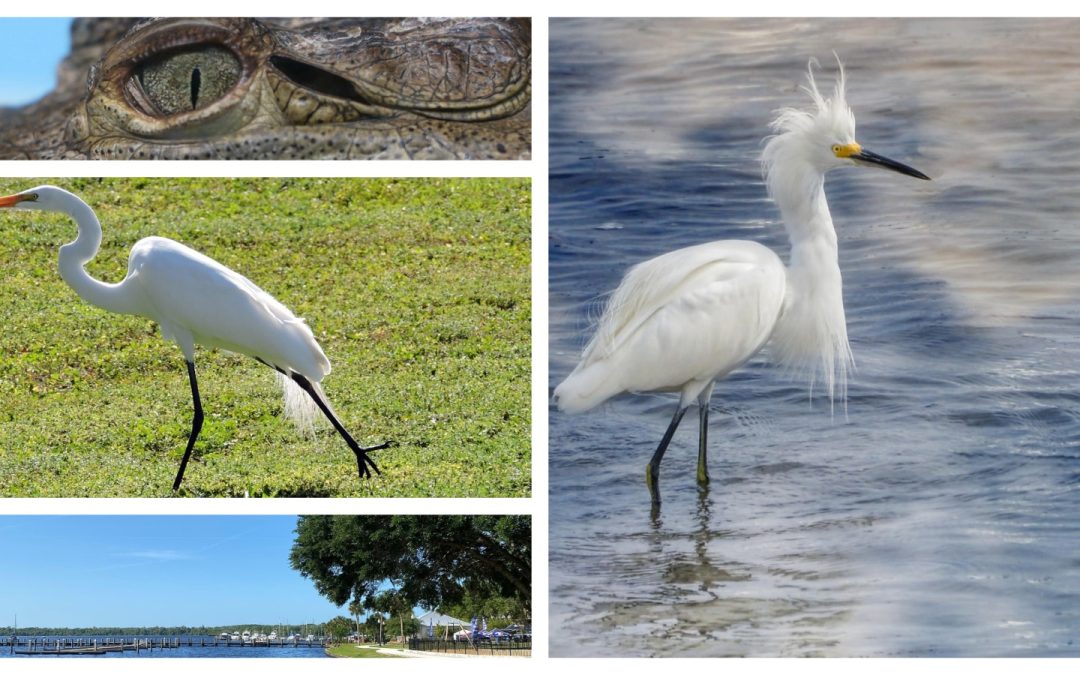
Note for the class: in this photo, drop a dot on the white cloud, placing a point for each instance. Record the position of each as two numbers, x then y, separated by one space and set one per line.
161 554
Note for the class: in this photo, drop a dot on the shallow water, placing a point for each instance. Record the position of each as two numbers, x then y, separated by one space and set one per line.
937 515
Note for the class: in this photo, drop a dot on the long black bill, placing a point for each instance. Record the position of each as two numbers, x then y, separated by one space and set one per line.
874 159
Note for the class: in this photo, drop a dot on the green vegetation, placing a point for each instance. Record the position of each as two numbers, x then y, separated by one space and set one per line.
394 626
339 627
500 612
417 290
389 564
350 651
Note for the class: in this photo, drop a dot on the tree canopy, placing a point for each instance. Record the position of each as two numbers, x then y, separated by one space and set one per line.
431 561
339 627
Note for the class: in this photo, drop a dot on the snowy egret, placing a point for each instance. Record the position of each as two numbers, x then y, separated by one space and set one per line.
197 300
683 320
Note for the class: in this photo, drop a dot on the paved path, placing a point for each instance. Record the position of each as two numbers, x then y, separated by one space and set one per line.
411 653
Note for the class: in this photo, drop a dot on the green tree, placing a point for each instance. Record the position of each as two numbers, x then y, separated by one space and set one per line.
499 612
430 561
411 625
356 608
339 627
373 626
394 604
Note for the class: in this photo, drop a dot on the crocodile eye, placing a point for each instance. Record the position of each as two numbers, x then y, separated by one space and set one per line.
188 79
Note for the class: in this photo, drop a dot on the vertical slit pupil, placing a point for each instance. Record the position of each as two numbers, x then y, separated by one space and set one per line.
196 81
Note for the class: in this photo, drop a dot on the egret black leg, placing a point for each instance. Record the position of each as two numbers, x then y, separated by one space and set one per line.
703 442
652 471
196 425
362 460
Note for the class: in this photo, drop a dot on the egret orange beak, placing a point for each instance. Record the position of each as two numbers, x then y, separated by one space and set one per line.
12 200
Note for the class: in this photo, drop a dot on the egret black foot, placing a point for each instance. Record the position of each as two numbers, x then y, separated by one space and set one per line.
365 464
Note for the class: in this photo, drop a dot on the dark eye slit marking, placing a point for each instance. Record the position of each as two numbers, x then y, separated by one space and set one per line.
316 79
196 82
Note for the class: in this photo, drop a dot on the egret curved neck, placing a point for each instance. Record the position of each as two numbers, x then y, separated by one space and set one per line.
112 297
799 190
812 333
814 268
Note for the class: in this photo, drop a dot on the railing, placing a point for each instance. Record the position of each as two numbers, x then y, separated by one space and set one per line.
503 647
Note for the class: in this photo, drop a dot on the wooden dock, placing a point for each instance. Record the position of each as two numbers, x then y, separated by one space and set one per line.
66 646
79 646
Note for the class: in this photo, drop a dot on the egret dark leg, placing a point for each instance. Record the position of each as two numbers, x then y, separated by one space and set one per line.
362 460
652 471
196 425
703 442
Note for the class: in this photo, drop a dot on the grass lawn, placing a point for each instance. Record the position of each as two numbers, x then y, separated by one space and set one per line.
350 651
417 290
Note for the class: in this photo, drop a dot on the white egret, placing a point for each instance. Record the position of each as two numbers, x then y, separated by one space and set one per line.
196 300
683 320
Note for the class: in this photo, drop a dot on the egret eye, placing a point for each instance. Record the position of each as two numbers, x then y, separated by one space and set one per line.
181 81
836 150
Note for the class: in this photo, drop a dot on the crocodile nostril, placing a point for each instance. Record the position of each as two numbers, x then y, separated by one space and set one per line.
316 79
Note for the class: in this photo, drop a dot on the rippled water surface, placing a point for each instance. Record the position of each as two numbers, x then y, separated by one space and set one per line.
940 515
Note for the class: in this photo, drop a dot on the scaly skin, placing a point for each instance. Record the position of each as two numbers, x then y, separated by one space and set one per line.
306 89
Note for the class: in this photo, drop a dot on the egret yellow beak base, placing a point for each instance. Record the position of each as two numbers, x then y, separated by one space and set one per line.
845 151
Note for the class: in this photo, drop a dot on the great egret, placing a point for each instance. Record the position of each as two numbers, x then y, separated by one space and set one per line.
195 299
687 318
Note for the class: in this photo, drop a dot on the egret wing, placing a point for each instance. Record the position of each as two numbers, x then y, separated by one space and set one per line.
222 308
679 321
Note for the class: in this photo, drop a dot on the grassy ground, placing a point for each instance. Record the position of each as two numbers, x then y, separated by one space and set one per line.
363 651
417 290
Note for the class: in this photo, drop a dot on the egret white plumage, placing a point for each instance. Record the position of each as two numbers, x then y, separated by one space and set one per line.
196 300
683 320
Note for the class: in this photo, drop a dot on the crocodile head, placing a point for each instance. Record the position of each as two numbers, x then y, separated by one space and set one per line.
243 88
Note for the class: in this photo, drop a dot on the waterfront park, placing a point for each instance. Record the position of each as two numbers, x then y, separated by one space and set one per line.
367 586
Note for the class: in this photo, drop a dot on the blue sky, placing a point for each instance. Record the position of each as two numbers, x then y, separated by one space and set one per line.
79 571
30 51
